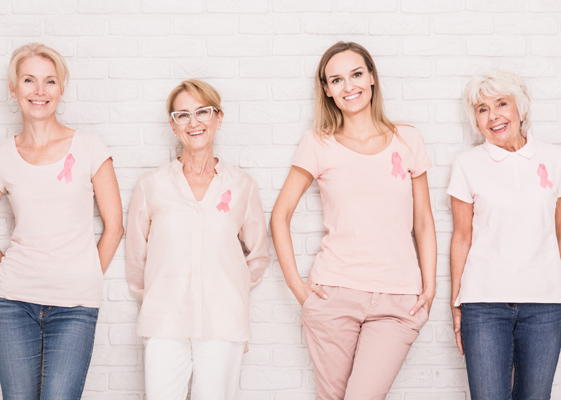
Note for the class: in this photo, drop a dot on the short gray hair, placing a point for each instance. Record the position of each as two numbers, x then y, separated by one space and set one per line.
493 83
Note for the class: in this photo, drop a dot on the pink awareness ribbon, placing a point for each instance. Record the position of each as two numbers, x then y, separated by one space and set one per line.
542 173
397 169
226 197
67 170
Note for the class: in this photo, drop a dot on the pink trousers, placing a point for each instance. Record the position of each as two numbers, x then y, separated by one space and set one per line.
359 340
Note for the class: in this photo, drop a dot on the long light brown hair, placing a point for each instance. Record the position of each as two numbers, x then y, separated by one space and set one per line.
328 118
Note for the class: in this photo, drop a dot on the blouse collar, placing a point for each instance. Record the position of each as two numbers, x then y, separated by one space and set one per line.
498 153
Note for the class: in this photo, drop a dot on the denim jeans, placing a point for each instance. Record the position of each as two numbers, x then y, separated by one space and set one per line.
45 351
500 336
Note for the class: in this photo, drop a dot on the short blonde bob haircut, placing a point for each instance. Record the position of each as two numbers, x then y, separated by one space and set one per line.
328 119
37 49
204 92
495 83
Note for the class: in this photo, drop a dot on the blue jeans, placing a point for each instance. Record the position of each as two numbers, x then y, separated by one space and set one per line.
500 336
45 351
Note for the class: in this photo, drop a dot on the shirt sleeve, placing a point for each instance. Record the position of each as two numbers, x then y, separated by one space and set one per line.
136 241
459 186
421 160
255 238
306 156
99 153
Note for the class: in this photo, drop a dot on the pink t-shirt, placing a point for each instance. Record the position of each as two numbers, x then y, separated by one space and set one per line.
52 258
367 212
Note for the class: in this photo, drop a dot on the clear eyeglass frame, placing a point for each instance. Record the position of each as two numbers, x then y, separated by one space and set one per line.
201 115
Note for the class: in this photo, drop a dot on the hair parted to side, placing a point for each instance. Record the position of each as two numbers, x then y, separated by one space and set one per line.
37 49
328 119
205 93
494 83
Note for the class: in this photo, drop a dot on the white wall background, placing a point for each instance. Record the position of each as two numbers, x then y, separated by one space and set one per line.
126 55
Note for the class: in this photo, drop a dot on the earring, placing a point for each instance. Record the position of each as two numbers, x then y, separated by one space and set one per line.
63 110
11 105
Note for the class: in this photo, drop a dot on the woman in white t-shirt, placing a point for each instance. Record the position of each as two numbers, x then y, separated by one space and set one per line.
51 275
505 251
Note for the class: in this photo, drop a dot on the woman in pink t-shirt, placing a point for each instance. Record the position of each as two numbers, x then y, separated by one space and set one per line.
52 273
366 298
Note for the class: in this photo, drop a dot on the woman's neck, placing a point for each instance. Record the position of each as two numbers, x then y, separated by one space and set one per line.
40 133
198 162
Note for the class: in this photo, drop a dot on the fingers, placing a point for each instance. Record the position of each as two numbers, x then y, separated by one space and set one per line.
319 291
421 302
459 342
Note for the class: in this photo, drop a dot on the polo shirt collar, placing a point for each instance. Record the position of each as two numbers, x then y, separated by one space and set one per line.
498 153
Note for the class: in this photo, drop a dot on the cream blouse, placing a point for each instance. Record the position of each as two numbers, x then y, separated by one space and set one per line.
193 262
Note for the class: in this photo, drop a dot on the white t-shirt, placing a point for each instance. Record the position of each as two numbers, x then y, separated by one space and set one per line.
52 258
514 254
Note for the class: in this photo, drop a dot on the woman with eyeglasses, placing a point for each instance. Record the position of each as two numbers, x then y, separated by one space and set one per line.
196 245
51 276
368 295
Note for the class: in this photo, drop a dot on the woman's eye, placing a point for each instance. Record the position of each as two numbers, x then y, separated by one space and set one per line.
27 80
502 104
336 80
482 110
202 112
358 75
51 82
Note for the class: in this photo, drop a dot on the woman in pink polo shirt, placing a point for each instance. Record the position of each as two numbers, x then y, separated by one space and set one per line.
366 298
505 252
196 244
51 275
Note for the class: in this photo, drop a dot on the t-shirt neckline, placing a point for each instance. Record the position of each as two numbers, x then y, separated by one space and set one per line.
23 160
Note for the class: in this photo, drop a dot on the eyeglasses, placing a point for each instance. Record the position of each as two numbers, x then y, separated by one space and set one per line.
202 115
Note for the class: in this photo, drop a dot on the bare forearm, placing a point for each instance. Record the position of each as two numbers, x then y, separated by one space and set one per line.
459 250
280 228
107 245
426 244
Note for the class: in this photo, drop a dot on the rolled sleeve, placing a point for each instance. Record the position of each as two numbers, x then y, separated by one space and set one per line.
254 235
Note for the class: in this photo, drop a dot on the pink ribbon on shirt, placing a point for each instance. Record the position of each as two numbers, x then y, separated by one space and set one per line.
67 170
397 169
542 173
226 197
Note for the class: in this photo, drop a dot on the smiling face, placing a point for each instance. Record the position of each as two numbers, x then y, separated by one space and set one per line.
37 89
195 135
499 121
349 83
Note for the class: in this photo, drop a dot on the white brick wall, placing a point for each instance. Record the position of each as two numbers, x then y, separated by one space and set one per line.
125 56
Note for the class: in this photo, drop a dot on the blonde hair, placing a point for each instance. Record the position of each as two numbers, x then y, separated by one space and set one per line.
37 49
205 92
493 83
328 118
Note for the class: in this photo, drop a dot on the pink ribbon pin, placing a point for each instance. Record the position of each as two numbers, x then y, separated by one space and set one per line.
396 162
226 197
542 173
67 170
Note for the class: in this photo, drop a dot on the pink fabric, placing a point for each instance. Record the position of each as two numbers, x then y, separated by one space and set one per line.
66 172
224 201
358 341
397 169
185 258
367 212
542 173
52 258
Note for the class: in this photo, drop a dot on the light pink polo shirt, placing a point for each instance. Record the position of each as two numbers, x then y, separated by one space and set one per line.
367 212
514 256
52 258
193 262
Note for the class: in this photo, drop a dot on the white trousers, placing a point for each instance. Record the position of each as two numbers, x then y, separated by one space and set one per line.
214 364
